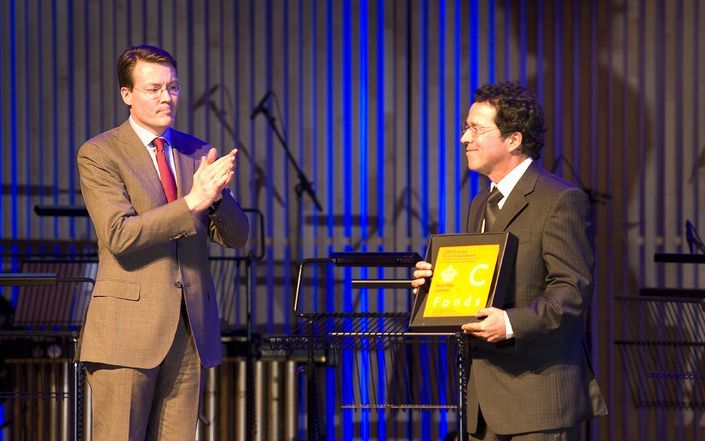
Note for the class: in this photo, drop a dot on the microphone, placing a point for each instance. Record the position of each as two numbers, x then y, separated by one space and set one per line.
206 96
260 106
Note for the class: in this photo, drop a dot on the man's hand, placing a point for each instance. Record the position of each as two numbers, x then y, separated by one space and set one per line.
492 328
423 271
211 177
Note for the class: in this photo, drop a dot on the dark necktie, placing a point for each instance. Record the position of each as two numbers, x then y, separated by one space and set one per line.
492 208
165 174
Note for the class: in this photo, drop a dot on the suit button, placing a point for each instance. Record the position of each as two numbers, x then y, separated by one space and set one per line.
178 285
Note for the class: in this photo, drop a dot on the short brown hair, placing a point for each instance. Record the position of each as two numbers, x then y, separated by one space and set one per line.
144 52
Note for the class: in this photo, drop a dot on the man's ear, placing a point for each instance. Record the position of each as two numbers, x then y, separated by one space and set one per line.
126 94
515 140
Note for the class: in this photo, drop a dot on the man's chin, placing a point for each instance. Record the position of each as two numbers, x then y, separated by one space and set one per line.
166 121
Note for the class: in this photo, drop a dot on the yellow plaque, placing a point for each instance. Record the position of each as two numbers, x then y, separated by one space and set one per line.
462 281
471 271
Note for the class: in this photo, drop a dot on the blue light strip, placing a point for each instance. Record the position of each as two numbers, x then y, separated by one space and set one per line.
347 108
364 211
87 98
424 146
71 147
442 184
2 118
381 366
40 115
460 168
55 116
423 119
540 91
13 121
286 291
474 73
330 126
29 137
380 118
253 139
239 77
314 138
363 118
269 166
347 87
330 392
491 43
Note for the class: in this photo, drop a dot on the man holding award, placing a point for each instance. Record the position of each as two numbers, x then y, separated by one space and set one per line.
530 376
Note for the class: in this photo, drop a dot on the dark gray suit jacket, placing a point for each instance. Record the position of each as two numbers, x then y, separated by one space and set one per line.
541 379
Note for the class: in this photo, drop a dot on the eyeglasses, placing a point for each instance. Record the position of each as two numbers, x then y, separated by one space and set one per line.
155 92
475 131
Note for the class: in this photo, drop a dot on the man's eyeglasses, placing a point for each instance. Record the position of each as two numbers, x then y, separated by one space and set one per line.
475 131
155 92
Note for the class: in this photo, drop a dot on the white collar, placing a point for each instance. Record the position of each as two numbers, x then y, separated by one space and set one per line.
507 184
146 136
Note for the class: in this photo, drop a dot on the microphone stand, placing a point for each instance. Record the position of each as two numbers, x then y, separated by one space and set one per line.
303 186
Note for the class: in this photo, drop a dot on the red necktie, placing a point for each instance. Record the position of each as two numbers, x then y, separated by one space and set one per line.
165 174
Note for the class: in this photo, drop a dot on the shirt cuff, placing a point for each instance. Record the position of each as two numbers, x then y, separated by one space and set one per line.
508 326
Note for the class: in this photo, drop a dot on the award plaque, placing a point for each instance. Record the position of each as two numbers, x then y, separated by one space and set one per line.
470 272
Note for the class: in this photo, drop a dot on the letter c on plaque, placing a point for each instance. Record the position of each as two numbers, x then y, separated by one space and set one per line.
473 280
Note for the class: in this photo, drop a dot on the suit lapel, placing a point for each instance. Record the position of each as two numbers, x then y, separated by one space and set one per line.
140 161
476 212
184 164
516 202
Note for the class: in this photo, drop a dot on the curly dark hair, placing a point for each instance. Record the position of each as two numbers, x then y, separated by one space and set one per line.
518 110
131 56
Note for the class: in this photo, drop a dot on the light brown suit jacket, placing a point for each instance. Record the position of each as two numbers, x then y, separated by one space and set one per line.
541 379
151 254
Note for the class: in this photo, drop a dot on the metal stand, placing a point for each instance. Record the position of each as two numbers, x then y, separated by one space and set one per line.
33 313
663 346
369 334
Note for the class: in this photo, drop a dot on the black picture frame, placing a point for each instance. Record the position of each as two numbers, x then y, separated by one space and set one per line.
504 271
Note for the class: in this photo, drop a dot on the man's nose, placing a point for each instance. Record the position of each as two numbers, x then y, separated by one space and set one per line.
164 96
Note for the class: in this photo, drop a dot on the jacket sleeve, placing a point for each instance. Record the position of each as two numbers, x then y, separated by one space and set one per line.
228 224
568 260
117 223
